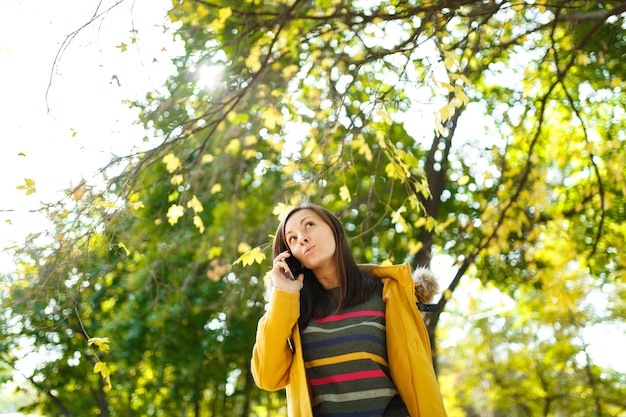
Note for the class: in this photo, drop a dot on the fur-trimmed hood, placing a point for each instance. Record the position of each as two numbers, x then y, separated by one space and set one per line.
426 285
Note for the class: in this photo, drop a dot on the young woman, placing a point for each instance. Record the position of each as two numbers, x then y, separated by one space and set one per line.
343 339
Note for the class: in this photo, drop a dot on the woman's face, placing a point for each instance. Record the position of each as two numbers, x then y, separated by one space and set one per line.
310 239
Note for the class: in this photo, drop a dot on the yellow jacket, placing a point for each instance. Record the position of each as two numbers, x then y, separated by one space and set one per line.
277 360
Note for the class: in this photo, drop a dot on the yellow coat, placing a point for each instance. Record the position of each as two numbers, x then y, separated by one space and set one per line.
277 360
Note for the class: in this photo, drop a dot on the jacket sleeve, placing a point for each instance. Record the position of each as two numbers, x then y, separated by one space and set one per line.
272 355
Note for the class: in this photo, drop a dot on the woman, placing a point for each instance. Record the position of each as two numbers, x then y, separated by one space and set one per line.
343 339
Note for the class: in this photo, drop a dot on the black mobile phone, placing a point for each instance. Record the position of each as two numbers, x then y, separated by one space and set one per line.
294 267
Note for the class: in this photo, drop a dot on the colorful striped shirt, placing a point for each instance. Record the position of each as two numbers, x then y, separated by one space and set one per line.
345 355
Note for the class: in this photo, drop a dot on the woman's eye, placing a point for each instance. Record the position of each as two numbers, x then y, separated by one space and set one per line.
309 224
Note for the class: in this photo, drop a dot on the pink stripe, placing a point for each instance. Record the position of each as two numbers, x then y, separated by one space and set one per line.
348 377
350 315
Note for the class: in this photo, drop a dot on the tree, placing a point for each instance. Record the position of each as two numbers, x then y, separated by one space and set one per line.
370 109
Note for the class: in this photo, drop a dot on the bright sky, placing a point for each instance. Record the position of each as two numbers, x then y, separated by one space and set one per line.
87 121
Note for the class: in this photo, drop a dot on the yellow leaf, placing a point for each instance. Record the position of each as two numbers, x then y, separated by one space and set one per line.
439 128
448 62
394 171
29 186
431 223
253 61
290 70
456 102
105 204
233 147
219 23
271 117
197 221
250 140
102 369
385 116
616 82
97 368
101 342
344 193
447 111
177 179
216 188
362 147
207 158
122 47
249 153
460 94
582 59
447 86
224 13
195 204
415 246
420 222
215 251
98 341
281 210
327 62
121 245
243 247
171 161
174 213
250 257
398 219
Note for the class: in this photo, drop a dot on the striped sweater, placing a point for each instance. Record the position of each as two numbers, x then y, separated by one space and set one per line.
346 361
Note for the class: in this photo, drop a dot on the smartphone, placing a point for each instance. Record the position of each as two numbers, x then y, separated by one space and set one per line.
294 267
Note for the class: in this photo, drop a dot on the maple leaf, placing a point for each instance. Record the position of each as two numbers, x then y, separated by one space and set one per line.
172 163
29 186
250 257
344 193
174 213
102 368
101 342
195 204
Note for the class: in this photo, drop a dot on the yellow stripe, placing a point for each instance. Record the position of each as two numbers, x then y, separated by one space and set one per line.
346 358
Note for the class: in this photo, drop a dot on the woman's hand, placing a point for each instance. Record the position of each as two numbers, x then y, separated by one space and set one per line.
281 275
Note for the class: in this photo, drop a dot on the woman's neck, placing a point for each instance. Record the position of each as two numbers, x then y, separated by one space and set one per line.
327 277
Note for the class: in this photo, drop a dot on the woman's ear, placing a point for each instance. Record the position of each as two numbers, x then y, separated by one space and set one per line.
426 285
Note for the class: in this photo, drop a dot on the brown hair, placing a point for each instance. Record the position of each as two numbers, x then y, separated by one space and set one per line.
355 285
